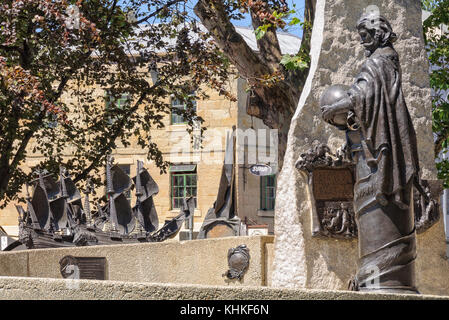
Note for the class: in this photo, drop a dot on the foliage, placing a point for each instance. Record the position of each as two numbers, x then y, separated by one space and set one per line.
277 15
437 42
58 61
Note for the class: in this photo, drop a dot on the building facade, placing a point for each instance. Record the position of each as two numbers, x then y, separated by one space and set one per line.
196 167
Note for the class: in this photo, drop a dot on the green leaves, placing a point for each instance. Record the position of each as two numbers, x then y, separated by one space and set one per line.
48 70
428 5
293 62
294 21
281 19
443 172
260 31
436 38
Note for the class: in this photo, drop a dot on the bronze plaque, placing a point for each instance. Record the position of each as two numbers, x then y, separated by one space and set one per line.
220 231
93 268
333 184
336 219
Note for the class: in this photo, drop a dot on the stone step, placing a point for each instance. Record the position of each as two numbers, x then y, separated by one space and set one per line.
56 289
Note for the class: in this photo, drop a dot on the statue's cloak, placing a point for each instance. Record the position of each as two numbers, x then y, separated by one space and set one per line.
389 137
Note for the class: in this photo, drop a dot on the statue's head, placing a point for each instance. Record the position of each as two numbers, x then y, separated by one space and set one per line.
375 31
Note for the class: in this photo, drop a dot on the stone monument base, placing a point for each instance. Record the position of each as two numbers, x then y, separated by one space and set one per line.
15 288
194 262
204 262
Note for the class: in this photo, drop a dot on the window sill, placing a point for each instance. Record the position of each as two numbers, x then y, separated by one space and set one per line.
176 127
173 213
265 213
181 127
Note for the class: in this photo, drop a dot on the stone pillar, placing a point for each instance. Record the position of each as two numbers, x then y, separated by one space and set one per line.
302 261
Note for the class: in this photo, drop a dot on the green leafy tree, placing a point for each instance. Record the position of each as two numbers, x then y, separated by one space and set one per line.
52 50
275 80
437 41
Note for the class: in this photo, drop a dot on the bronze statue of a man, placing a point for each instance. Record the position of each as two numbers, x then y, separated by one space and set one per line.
382 143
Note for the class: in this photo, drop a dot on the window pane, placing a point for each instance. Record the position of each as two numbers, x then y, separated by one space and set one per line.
190 192
191 180
178 104
267 192
183 184
122 101
116 103
271 193
175 117
179 181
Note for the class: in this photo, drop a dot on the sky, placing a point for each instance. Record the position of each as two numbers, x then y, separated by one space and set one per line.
298 5
297 30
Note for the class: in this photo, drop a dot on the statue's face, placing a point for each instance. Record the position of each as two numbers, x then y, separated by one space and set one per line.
370 42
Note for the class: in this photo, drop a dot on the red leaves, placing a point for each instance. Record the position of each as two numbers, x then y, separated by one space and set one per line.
20 85
53 17
264 10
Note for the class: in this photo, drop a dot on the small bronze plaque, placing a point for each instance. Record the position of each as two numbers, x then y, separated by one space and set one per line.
333 184
93 268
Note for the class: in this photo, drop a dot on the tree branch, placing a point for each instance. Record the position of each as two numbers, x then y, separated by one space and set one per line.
269 49
442 136
213 16
157 11
299 77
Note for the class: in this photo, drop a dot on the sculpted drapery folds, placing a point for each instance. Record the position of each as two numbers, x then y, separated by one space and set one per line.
378 102
383 147
389 137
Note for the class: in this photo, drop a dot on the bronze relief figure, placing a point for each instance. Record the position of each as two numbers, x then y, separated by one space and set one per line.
382 144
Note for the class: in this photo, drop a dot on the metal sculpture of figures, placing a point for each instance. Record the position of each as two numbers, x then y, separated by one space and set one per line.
382 144
222 215
144 210
172 227
56 217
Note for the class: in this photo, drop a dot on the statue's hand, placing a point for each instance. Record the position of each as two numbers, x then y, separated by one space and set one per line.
328 113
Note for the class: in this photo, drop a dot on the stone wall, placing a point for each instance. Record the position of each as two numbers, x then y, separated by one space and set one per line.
194 262
302 261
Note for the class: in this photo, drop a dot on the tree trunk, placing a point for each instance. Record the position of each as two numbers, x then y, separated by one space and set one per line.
276 104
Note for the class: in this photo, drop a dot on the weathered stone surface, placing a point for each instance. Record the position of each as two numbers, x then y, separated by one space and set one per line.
15 288
305 262
197 262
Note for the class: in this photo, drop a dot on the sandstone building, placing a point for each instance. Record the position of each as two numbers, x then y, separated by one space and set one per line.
196 171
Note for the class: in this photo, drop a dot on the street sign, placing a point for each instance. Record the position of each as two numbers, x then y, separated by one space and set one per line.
260 170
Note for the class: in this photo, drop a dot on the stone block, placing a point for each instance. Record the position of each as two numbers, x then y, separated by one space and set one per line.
194 262
302 261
